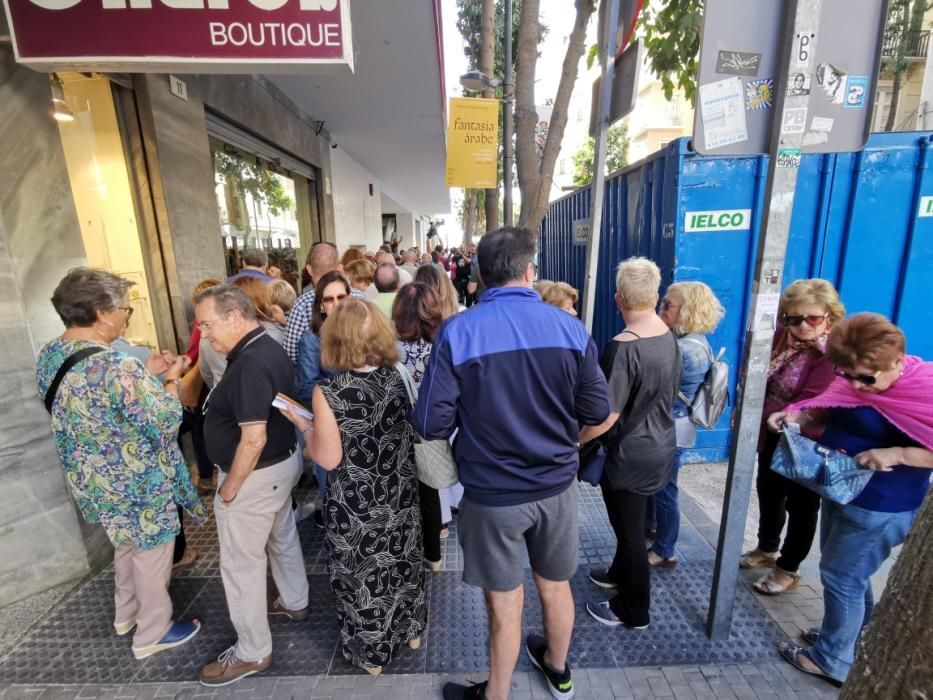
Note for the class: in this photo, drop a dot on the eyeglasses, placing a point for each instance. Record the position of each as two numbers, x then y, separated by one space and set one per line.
813 320
866 379
129 311
329 300
668 305
207 325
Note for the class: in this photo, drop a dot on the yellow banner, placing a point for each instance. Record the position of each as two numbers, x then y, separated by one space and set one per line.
473 143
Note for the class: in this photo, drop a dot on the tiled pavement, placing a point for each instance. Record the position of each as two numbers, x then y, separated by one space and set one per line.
74 643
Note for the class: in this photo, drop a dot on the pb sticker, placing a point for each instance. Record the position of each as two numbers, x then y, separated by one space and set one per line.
759 94
794 121
856 87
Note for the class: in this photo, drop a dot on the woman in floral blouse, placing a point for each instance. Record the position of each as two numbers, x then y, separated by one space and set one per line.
798 370
115 425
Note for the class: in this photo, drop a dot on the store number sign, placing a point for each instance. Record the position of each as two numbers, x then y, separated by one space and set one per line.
184 36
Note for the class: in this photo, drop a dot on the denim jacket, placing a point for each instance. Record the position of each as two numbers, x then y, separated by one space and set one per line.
695 363
310 371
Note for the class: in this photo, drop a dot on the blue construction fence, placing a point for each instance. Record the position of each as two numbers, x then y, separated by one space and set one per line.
863 221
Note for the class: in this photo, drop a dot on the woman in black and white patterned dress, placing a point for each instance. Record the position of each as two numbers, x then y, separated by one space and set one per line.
362 435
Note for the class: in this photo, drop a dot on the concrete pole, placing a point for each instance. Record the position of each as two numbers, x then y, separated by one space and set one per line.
508 97
783 166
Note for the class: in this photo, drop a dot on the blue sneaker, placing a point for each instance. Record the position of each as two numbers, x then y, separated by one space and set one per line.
179 633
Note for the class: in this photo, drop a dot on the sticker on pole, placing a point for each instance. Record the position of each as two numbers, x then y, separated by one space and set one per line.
856 86
720 220
926 207
788 158
759 94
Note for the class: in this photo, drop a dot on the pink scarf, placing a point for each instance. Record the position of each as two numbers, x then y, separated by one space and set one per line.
908 404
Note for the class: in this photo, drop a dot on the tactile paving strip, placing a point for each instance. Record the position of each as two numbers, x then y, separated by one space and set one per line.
77 644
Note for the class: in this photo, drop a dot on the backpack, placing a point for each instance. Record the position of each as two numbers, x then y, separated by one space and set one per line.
712 396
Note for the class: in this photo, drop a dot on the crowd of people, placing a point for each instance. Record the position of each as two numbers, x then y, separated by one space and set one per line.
276 387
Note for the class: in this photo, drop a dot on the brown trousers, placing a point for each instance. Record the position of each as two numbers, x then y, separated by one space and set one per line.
141 579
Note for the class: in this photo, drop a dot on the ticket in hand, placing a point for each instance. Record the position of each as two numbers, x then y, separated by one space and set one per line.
283 401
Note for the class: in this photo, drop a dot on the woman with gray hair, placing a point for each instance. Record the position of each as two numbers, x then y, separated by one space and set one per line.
115 426
642 366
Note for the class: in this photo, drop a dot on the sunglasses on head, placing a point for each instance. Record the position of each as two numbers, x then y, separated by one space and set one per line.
866 379
812 320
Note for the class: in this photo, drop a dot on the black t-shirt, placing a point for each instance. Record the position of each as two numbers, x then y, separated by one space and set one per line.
644 377
257 369
463 268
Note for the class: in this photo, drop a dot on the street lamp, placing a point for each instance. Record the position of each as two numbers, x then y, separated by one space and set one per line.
476 81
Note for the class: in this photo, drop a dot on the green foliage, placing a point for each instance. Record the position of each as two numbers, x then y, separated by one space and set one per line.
470 25
672 42
616 155
255 180
904 17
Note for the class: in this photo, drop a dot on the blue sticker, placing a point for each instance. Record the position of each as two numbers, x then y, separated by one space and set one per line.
759 94
856 87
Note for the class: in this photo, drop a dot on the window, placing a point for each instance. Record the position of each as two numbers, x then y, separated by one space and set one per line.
673 112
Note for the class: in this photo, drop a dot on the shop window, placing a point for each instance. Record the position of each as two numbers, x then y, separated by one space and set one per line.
259 206
103 195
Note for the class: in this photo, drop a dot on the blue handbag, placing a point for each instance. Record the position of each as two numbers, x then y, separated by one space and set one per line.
592 462
830 473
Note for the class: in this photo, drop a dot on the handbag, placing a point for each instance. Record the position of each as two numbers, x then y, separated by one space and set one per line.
592 462
433 458
830 473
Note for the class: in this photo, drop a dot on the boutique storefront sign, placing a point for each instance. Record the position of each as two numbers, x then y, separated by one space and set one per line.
184 36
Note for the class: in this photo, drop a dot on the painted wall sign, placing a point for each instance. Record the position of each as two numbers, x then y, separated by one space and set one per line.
738 63
581 231
926 207
720 220
184 36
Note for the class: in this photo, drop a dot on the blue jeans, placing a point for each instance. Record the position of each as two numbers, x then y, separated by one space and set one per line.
855 543
667 514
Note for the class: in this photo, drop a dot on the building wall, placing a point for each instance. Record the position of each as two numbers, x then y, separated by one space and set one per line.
357 211
43 540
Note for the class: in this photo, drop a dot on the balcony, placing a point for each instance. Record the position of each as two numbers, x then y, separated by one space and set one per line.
916 44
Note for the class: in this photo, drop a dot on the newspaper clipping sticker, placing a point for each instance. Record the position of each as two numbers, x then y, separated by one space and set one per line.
722 108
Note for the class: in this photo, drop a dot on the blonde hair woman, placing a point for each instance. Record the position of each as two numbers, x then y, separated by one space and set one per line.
642 365
439 283
360 274
691 310
559 294
799 370
363 437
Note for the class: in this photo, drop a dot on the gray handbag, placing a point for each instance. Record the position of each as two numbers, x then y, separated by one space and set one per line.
712 396
434 458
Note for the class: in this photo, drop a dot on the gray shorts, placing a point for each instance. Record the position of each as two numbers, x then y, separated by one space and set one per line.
494 539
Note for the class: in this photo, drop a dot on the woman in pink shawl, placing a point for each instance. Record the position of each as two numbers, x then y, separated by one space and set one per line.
879 410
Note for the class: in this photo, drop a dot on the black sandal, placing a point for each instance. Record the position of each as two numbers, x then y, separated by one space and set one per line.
791 654
811 635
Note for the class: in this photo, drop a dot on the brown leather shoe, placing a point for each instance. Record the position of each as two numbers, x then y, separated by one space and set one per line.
229 669
276 608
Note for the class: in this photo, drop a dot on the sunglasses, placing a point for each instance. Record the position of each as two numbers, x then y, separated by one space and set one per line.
866 379
328 300
813 321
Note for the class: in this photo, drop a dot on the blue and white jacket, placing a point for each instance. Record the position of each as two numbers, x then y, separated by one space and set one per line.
517 378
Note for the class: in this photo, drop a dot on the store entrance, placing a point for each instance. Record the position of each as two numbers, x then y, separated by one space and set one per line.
103 195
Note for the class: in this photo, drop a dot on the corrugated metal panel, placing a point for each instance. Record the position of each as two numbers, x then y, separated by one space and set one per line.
855 222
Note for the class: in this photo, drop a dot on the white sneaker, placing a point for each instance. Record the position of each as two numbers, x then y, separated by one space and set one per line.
305 511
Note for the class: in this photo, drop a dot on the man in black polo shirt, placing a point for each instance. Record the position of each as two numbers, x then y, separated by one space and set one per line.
255 448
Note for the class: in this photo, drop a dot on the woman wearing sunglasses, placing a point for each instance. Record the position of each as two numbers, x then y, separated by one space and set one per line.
879 411
798 370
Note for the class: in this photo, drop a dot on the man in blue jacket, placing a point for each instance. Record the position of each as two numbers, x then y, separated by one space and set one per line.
516 378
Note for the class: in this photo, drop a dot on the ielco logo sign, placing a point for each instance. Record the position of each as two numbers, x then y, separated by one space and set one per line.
720 220
195 36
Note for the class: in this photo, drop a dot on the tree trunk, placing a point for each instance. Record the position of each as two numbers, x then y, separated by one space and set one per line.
893 658
488 67
895 98
470 224
535 175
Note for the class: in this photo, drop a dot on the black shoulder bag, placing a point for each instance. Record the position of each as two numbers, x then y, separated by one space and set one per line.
63 370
